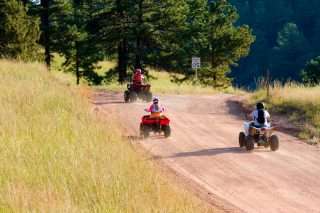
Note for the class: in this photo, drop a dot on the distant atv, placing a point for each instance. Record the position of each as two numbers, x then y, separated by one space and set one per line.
155 123
261 136
135 91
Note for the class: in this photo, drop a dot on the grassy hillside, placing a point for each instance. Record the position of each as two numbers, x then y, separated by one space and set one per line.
56 156
300 104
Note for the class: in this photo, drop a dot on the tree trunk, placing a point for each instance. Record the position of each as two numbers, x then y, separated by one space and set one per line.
138 63
122 60
24 2
46 30
77 64
122 48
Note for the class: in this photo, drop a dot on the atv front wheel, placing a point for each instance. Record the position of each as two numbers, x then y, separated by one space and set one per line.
242 139
144 131
250 143
126 96
266 142
274 143
167 131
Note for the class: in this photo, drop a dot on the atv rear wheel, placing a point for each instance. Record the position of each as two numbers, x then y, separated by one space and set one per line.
242 139
133 96
274 143
167 131
250 143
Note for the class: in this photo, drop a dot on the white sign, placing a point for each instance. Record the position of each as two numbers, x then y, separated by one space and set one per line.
196 62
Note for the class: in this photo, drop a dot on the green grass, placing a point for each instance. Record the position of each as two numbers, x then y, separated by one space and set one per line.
57 156
300 104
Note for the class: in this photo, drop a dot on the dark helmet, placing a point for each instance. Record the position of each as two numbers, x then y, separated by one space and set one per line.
260 105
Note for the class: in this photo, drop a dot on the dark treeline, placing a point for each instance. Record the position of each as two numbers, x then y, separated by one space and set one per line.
137 33
287 37
166 34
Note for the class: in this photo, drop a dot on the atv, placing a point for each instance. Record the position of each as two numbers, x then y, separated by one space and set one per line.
155 123
135 91
263 136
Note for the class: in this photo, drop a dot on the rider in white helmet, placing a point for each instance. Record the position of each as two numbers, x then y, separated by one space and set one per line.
155 109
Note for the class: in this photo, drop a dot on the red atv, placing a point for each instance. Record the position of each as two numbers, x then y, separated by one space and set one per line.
155 123
136 91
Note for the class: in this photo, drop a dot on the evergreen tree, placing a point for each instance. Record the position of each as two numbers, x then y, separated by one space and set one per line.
227 43
19 33
140 32
111 28
72 39
267 18
311 73
45 27
290 52
190 39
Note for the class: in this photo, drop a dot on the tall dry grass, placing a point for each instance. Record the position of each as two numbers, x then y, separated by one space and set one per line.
301 104
57 157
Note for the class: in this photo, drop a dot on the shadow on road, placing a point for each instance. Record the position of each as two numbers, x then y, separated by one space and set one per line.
210 152
236 108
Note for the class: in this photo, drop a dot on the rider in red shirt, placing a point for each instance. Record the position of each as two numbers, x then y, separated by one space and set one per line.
137 76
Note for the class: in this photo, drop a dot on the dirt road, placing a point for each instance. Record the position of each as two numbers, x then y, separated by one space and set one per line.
204 150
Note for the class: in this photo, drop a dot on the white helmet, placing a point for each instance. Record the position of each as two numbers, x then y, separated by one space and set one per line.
155 100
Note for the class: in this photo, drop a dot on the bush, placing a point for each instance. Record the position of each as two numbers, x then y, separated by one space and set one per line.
311 73
19 33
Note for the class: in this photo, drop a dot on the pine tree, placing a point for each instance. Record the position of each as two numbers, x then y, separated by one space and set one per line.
311 73
290 53
110 27
227 43
72 39
189 39
45 27
19 33
140 32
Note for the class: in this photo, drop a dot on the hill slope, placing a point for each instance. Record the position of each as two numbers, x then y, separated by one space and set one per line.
56 156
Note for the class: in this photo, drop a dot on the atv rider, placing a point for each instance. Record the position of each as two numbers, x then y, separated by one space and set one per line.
155 109
137 76
261 117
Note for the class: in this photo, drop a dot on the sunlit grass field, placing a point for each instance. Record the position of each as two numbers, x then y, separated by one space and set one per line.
161 81
57 156
299 103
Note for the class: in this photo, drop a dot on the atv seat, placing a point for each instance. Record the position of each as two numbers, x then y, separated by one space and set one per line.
155 115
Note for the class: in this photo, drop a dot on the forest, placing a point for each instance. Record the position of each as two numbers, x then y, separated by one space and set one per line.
287 38
239 41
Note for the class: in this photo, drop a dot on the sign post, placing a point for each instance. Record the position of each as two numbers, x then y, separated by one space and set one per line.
196 64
